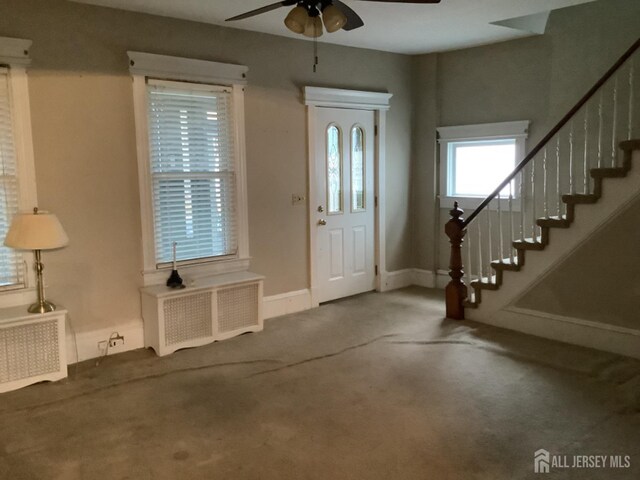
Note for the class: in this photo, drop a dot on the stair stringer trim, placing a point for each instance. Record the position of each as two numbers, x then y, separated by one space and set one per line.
576 331
617 193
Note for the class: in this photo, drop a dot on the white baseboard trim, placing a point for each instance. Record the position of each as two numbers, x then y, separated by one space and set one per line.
273 306
414 276
87 342
84 345
285 303
423 278
396 279
576 331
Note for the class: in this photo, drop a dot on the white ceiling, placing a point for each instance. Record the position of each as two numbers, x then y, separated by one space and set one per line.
393 27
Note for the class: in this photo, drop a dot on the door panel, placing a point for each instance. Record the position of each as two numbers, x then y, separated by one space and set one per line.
344 217
336 254
359 250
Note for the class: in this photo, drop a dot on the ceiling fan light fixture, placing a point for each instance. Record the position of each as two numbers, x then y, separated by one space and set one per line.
297 19
313 28
333 18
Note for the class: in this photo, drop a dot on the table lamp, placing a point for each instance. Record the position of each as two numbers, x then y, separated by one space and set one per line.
37 231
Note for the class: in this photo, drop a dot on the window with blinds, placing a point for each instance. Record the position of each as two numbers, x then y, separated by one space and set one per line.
192 163
11 264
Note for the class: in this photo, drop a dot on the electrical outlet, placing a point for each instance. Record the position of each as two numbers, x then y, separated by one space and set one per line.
297 199
116 341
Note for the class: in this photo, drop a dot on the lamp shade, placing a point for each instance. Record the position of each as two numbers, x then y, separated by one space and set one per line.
333 18
36 231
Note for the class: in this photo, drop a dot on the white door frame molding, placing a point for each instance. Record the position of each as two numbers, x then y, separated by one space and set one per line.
315 97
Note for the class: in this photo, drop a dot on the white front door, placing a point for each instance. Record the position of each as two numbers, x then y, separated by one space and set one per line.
344 212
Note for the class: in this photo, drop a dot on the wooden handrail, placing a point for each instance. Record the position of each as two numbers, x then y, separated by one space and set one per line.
541 144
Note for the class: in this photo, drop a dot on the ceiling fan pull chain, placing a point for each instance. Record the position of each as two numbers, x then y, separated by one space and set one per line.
315 54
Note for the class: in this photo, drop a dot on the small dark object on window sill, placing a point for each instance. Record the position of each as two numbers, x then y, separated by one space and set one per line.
174 280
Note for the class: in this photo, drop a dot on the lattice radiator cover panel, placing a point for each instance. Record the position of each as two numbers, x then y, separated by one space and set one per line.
187 318
212 309
32 348
238 308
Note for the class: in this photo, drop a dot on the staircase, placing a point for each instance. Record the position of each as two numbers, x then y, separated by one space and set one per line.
545 224
561 185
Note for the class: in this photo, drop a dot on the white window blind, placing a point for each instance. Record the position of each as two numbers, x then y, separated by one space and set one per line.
192 157
11 264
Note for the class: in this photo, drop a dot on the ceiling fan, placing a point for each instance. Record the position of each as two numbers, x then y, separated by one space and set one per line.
308 16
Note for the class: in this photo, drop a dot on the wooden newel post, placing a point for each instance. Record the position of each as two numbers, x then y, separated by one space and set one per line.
456 291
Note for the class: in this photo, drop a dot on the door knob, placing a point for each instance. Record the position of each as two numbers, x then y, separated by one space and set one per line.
322 221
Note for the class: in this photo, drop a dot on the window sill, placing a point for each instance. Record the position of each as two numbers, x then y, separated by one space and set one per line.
190 273
22 296
469 204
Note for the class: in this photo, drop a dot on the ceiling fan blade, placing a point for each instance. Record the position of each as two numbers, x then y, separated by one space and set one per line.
403 1
264 9
353 19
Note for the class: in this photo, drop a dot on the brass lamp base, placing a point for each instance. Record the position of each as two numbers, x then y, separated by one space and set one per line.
42 307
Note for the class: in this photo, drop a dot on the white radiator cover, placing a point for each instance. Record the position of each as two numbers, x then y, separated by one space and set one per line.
32 347
213 308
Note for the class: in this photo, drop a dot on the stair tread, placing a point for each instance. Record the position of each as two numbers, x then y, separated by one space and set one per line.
580 198
529 244
506 264
630 144
611 172
485 283
554 222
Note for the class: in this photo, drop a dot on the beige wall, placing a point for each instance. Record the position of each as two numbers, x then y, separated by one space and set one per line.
84 135
599 281
84 141
538 79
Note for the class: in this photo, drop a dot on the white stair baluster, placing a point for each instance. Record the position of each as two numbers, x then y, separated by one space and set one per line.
600 126
511 222
586 150
558 176
468 267
571 187
489 237
630 126
500 230
523 194
480 266
545 182
533 199
614 149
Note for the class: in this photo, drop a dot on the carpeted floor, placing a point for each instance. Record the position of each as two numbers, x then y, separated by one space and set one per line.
376 386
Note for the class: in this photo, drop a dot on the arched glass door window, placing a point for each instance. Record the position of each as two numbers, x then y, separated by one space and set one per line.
334 170
358 193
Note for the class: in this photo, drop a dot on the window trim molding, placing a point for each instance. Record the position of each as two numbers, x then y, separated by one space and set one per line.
161 67
517 130
14 52
484 131
186 69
